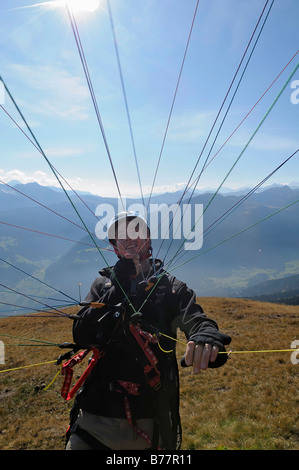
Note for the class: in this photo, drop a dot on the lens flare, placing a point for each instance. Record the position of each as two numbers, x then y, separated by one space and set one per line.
79 6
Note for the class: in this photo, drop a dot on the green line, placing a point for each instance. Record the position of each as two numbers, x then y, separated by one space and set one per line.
64 190
29 339
238 233
241 154
32 345
51 166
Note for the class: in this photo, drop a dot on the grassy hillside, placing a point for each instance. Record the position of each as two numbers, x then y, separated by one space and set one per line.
250 403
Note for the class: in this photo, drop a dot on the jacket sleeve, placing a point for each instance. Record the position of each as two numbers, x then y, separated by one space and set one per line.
196 325
85 328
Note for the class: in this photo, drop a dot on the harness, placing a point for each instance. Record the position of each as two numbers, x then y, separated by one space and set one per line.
143 338
67 371
126 388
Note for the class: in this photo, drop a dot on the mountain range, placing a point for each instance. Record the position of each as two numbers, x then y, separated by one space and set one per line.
284 290
43 234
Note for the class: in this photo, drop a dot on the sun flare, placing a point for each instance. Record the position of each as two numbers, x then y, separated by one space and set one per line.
87 6
77 6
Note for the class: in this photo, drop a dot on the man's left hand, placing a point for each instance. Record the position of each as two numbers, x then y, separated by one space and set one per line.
199 355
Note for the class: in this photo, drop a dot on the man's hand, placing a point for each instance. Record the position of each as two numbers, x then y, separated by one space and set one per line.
199 355
128 250
132 253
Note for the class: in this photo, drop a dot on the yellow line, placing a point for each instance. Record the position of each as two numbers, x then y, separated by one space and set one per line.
174 339
261 351
25 367
52 381
220 352
239 352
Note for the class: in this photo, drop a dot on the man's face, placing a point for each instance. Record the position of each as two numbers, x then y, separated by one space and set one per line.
131 239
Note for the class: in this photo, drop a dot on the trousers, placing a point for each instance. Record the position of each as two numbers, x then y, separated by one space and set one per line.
114 433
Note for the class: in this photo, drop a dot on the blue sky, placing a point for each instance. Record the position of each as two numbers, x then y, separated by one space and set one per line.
41 67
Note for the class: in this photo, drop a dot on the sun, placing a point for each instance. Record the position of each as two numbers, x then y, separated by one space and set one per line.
79 6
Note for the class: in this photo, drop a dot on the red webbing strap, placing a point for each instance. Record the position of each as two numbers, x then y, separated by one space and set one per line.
67 371
138 333
135 428
131 388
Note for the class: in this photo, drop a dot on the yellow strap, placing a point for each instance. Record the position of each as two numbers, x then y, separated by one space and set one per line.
261 351
174 339
52 381
25 367
171 350
239 352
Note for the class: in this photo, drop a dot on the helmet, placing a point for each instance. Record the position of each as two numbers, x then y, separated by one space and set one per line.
128 215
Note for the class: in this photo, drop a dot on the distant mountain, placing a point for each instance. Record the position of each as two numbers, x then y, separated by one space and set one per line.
42 235
282 290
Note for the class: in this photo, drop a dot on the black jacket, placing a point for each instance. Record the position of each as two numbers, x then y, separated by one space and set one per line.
168 306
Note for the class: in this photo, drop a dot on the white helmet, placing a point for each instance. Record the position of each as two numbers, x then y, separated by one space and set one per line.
140 221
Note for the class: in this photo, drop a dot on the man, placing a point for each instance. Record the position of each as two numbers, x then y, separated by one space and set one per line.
130 399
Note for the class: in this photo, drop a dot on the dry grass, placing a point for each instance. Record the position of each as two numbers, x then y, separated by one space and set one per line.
250 403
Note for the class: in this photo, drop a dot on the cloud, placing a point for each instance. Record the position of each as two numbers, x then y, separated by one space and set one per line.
128 189
99 187
53 92
57 152
39 177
